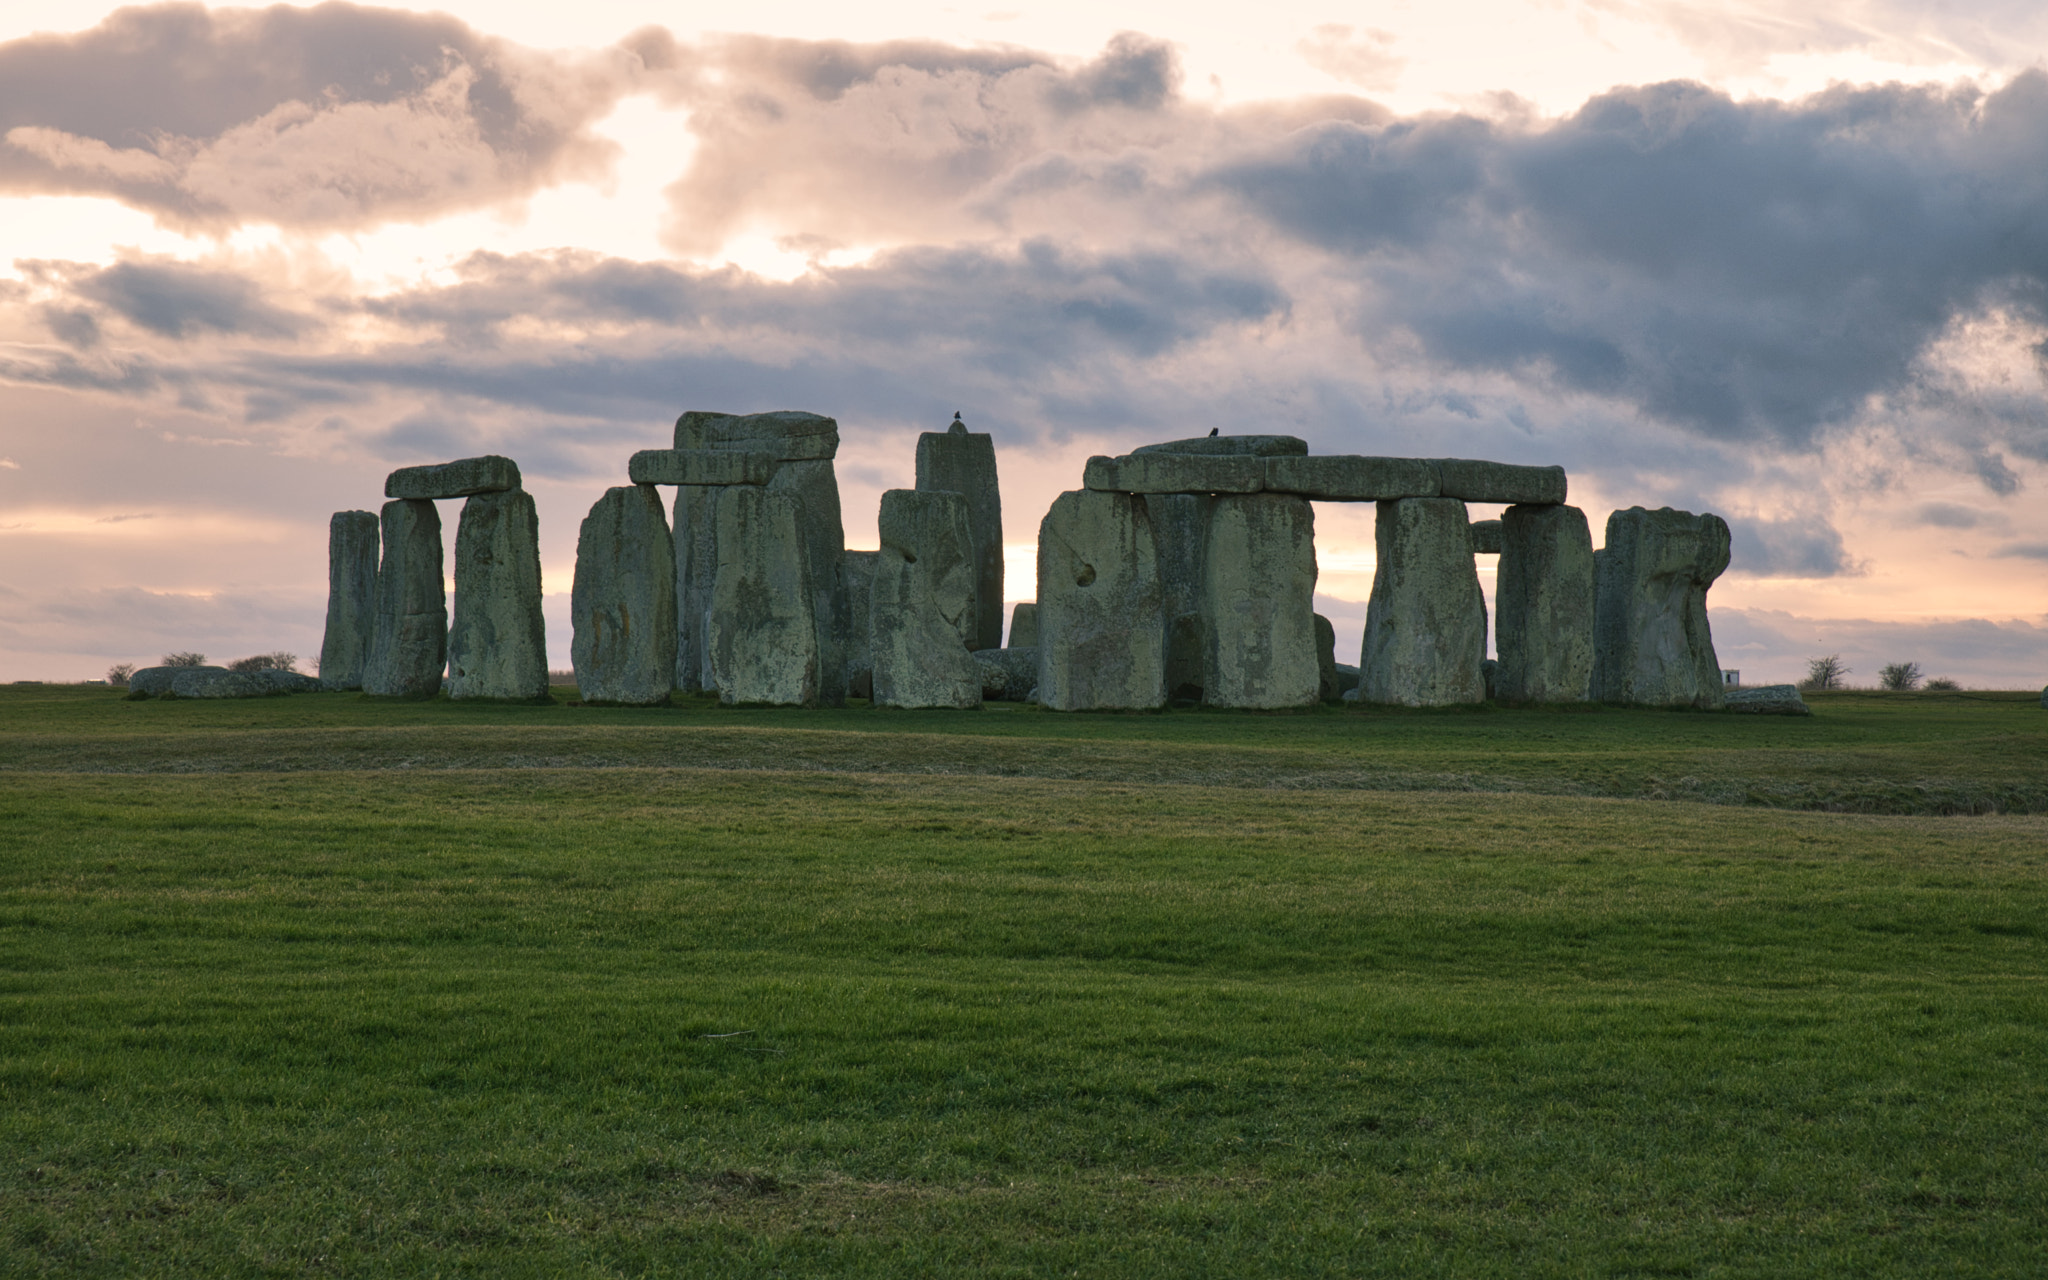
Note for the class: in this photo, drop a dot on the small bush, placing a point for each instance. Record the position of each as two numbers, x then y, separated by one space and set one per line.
1900 677
1941 684
183 660
279 661
1825 673
119 673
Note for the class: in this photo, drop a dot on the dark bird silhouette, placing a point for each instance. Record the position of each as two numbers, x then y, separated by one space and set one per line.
1214 430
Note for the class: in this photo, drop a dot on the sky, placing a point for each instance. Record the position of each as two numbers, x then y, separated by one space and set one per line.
1784 262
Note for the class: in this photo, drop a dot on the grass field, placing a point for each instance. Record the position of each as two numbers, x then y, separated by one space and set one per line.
321 986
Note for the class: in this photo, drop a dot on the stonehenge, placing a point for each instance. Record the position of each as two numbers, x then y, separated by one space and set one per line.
923 612
622 605
960 461
1651 645
1101 634
1024 625
1258 584
1425 625
409 643
1543 604
351 598
497 644
761 631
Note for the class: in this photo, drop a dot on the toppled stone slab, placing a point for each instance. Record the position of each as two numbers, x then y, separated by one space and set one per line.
1486 537
351 598
1221 446
1175 473
1544 596
860 647
762 628
701 466
488 474
1024 625
497 644
1469 480
1351 478
622 604
1007 675
281 681
1651 642
1768 700
197 682
155 682
1259 579
1425 626
960 461
789 435
921 612
1101 636
1327 688
409 647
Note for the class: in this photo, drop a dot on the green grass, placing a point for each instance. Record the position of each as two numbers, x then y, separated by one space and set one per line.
313 997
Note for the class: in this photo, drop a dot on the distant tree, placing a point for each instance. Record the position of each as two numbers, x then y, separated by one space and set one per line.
1941 684
1900 677
119 673
1825 673
184 660
279 661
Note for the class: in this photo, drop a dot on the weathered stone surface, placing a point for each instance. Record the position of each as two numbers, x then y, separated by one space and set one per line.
2044 698
498 644
1259 580
960 461
1347 682
1489 678
1349 478
155 682
1007 675
288 681
1180 530
1101 636
622 604
1327 687
1024 625
1486 537
762 626
409 646
700 466
1543 598
488 474
860 640
1425 626
198 682
1470 480
1232 446
351 598
1769 700
1175 473
816 488
790 435
696 545
1651 643
921 611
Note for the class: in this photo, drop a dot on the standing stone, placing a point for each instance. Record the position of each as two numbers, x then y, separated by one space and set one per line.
351 598
1328 686
696 539
409 649
1180 529
922 612
1101 635
960 461
860 640
763 629
623 602
1651 645
1425 626
1543 624
1259 581
1024 625
498 645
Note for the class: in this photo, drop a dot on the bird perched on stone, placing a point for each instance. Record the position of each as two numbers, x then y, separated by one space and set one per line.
958 428
1213 431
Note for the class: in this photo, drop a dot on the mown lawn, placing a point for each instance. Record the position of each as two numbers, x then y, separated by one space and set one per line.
360 1011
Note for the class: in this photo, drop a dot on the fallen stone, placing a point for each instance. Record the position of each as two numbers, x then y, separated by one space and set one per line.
409 645
498 644
1486 537
696 547
351 598
1024 625
622 604
815 486
1007 675
789 435
960 461
762 628
1327 687
198 682
860 647
1425 626
281 681
155 682
1543 595
1174 473
1469 480
1651 642
1180 530
1768 700
488 474
1231 447
921 612
700 466
1101 636
1347 680
1348 478
1259 617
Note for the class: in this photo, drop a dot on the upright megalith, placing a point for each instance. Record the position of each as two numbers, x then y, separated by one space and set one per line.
922 611
1101 634
498 647
409 647
696 549
623 602
1328 686
960 461
762 633
351 599
1024 625
1543 598
1258 588
860 647
1180 529
1425 625
1651 645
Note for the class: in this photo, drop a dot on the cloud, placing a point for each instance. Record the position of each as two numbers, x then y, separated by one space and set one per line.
1770 646
1949 515
1795 547
1742 36
177 300
2023 550
1365 59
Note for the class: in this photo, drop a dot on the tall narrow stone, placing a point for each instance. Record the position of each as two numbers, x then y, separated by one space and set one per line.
1543 597
1101 633
623 602
960 461
696 538
1180 529
409 649
498 645
1425 626
763 630
1327 688
860 639
351 599
1259 581
1651 644
922 612
1024 625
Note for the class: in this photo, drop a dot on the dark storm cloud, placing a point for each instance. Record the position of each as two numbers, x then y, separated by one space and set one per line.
1799 547
180 301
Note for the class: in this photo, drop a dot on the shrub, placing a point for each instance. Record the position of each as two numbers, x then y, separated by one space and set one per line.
1941 684
184 660
119 673
1900 677
279 661
1825 673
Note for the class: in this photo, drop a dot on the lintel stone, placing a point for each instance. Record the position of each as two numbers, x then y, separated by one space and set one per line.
1175 473
1469 480
791 435
488 474
701 466
1350 478
1232 446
